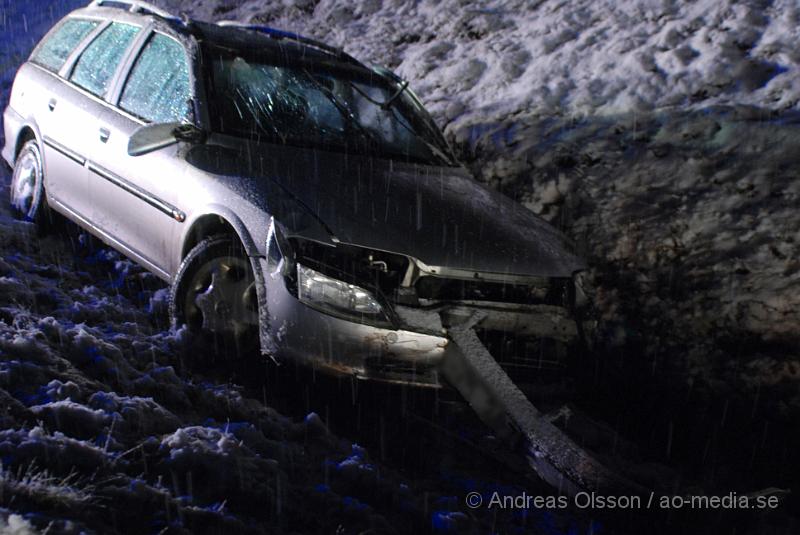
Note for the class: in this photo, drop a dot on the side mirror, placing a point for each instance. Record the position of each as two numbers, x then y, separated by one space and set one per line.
156 136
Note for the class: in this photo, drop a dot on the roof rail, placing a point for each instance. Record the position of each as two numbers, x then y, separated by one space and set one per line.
136 6
280 34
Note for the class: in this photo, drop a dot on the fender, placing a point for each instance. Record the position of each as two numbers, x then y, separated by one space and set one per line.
267 195
255 255
251 246
15 124
10 150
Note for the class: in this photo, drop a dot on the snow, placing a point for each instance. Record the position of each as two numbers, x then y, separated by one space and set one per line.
494 59
89 387
16 525
662 136
80 420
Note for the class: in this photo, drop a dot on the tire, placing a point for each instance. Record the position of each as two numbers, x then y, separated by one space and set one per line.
214 297
28 199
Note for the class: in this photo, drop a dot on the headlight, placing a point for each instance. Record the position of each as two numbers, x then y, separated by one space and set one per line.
335 296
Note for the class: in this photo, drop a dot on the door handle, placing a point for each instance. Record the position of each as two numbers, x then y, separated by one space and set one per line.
52 104
104 134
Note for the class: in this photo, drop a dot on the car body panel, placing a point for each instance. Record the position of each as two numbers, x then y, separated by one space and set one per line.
136 197
13 123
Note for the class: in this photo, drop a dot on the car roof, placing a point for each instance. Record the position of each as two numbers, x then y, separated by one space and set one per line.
258 37
226 34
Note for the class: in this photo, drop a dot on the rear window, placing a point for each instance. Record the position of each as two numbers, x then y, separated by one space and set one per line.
59 45
99 61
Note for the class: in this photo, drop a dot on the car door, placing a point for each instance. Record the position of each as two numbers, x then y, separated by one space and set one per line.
55 106
135 199
74 132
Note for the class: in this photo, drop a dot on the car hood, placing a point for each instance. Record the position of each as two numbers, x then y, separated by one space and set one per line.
438 215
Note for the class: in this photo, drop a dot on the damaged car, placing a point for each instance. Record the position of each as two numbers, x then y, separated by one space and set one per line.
301 204
292 196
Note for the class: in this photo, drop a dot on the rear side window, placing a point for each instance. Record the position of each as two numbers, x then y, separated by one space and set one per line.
99 61
157 89
60 44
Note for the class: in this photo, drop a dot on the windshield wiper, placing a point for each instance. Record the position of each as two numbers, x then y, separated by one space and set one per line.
435 150
386 103
342 109
351 121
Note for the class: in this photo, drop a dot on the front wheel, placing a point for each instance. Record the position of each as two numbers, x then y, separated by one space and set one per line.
214 297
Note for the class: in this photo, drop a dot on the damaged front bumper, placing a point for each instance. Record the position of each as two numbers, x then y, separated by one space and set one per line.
409 352
297 332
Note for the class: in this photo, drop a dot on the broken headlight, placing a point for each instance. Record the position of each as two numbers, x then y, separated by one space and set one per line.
336 297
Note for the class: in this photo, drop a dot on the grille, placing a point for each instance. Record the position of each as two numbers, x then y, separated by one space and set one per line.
556 292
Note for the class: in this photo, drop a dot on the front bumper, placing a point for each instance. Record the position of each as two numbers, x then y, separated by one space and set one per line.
410 354
298 332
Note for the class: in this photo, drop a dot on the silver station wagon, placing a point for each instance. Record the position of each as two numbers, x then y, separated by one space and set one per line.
294 198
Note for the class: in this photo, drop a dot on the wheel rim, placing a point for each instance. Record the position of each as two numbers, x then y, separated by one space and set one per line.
26 183
221 297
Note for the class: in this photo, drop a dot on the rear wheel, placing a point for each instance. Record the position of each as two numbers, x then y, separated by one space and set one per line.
28 200
214 297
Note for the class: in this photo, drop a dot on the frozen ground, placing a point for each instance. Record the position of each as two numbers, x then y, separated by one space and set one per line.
662 136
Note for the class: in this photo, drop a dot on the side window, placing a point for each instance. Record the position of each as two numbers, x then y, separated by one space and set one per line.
158 89
60 44
97 63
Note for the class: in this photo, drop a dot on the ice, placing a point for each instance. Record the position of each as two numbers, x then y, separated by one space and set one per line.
57 48
158 87
99 61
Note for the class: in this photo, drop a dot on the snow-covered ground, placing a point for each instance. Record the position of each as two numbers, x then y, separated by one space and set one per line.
495 59
662 136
